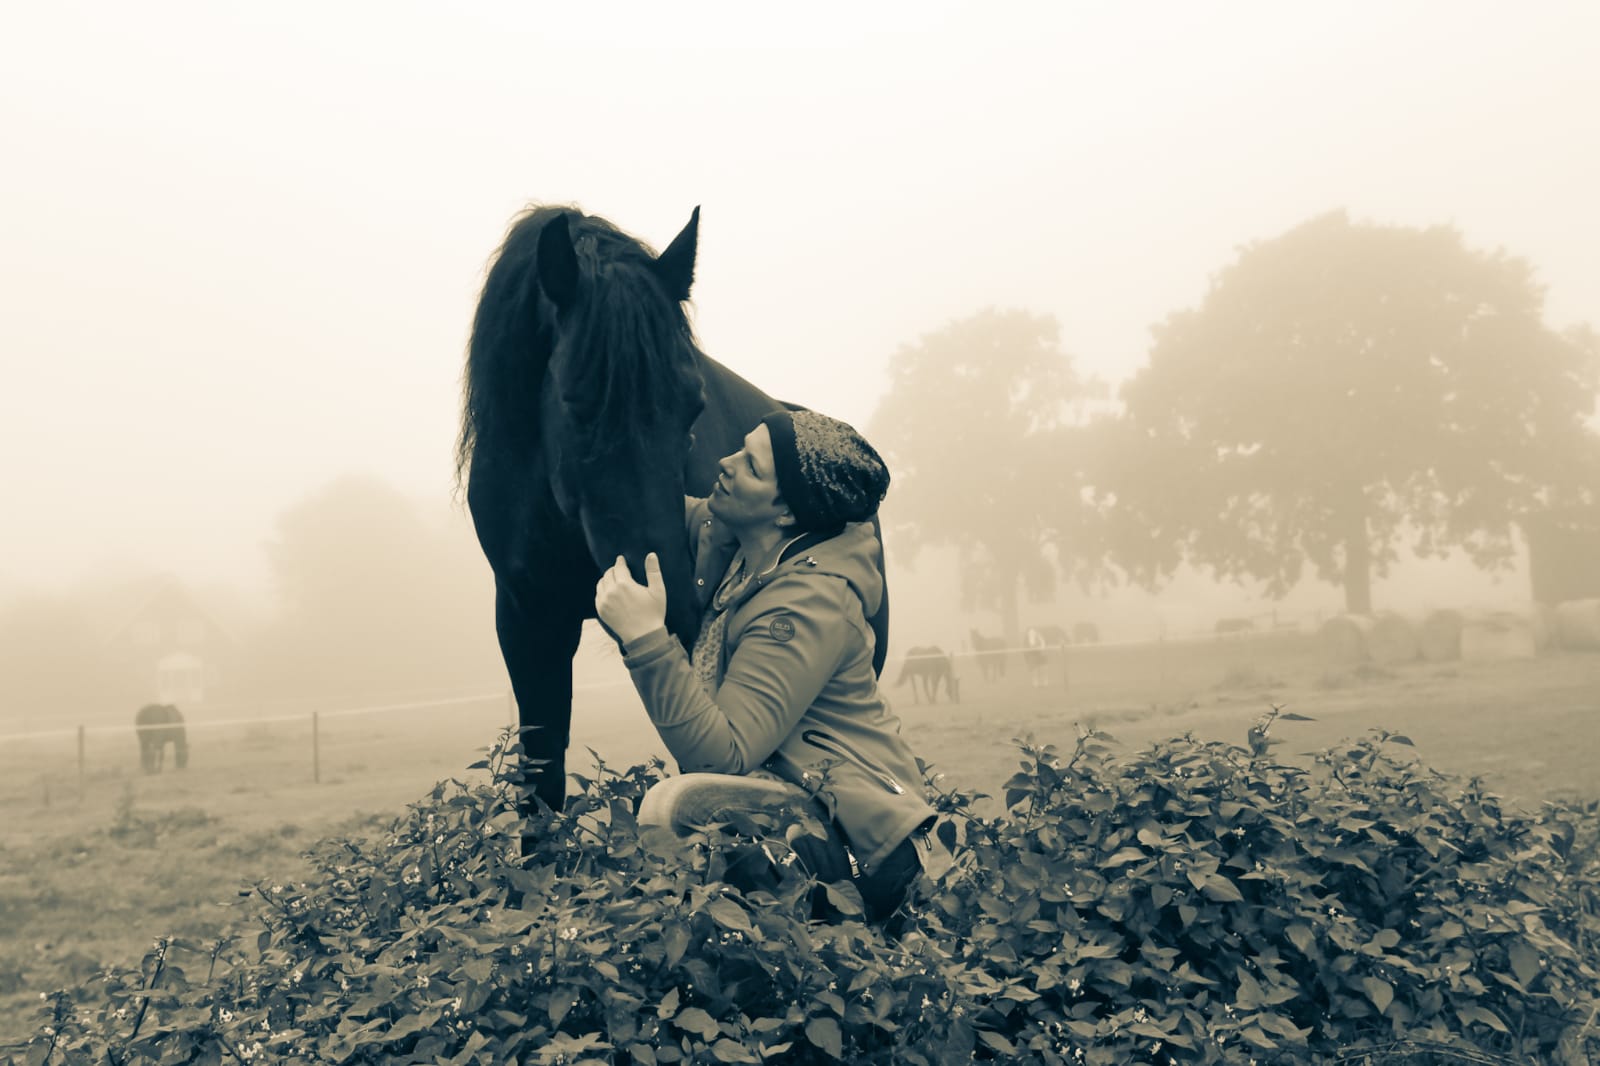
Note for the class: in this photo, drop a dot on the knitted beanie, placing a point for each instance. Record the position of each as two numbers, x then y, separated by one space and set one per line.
827 472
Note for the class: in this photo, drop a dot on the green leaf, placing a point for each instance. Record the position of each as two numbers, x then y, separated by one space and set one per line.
1476 1013
668 1005
1290 716
1283 1027
1399 739
694 1020
676 941
1524 962
1160 894
726 1050
728 914
1300 936
824 1033
846 898
1126 855
998 1042
1221 889
562 1000
1378 990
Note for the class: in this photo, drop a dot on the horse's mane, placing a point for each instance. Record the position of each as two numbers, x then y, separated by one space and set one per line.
635 330
644 335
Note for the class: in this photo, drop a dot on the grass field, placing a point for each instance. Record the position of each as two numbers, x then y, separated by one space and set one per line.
92 869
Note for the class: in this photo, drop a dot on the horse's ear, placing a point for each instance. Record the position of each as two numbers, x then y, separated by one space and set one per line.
558 263
675 266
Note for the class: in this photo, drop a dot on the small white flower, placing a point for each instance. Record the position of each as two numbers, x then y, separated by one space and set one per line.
422 981
569 933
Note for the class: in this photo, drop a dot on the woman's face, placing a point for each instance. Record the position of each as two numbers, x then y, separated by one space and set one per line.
746 492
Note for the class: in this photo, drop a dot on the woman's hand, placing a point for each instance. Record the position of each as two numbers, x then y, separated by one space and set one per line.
627 608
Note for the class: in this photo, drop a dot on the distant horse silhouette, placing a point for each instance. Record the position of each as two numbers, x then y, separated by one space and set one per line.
1042 645
1085 633
927 666
160 724
589 413
991 655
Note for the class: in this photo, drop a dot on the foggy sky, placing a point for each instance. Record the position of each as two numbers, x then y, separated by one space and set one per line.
240 247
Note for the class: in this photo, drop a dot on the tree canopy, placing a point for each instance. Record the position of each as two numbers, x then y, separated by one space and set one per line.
1343 387
375 598
976 428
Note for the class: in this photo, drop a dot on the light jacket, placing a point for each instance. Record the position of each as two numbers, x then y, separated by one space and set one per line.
798 694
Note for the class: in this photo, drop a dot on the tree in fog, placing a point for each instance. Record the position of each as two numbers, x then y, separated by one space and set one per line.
374 599
977 428
1342 387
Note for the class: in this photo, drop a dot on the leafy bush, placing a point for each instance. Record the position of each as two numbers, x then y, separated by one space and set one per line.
1193 903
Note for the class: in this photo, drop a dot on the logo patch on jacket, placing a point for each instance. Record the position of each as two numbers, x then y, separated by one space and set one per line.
782 630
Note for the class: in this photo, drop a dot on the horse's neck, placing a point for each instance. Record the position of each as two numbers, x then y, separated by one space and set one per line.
733 407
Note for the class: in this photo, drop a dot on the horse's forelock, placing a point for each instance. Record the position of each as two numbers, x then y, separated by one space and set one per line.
632 352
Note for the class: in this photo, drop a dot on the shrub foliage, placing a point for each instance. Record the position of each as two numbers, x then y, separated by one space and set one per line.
1192 903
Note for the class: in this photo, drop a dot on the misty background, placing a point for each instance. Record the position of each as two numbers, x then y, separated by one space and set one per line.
1065 262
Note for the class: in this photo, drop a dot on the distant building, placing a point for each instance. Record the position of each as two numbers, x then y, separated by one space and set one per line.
169 647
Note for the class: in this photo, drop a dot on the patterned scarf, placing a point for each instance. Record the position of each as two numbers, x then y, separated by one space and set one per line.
706 658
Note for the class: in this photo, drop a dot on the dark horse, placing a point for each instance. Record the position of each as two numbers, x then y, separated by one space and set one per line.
589 414
160 724
927 666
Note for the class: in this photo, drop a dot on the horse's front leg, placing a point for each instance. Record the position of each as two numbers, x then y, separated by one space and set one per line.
538 636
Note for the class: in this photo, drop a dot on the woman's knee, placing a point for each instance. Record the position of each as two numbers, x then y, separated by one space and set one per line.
688 801
662 801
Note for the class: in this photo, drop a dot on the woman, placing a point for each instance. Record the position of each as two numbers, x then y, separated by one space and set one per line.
777 701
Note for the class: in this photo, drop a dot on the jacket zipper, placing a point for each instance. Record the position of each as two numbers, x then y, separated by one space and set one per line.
834 746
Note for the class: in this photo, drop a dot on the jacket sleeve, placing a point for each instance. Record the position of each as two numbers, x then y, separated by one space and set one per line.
792 636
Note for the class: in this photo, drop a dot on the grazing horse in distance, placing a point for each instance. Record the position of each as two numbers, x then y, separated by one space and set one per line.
160 724
1041 646
927 666
589 412
991 655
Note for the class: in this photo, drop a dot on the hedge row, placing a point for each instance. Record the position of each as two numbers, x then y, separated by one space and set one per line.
1191 903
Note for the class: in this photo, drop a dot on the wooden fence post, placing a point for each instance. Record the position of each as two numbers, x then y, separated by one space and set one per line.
80 764
316 749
